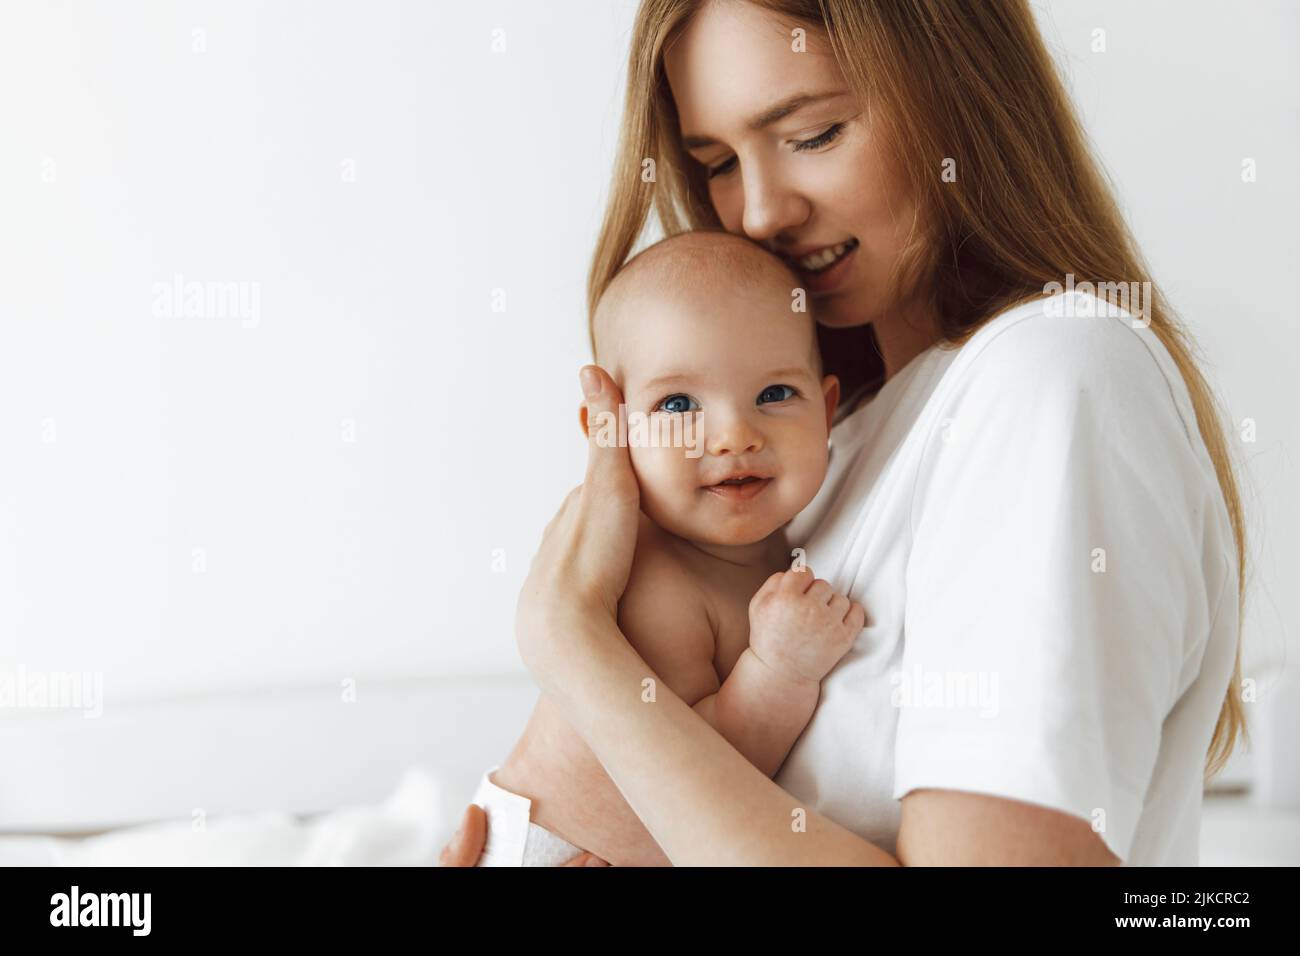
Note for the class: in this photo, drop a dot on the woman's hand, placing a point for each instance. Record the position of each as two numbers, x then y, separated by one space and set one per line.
580 570
466 844
585 557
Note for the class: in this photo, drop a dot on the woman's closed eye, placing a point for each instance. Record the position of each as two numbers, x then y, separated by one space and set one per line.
824 138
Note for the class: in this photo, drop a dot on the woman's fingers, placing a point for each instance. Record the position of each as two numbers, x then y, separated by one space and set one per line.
609 467
586 858
585 557
466 844
601 519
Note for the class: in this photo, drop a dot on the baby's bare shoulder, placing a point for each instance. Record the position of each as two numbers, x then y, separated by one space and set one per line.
666 616
659 577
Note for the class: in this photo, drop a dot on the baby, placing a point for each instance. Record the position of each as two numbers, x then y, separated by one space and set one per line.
699 326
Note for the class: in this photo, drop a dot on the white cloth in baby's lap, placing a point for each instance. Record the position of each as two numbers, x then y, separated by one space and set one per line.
512 838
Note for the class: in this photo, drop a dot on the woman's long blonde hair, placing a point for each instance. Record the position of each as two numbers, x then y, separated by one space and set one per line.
969 80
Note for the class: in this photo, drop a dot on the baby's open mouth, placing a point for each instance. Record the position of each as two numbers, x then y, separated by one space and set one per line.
741 487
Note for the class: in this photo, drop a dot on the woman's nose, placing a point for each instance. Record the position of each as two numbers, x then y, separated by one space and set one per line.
770 205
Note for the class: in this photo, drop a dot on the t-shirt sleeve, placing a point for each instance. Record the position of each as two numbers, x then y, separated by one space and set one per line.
1054 576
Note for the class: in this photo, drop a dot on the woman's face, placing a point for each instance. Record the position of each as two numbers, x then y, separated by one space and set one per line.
792 161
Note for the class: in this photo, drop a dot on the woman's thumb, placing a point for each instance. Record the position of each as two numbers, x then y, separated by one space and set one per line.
607 458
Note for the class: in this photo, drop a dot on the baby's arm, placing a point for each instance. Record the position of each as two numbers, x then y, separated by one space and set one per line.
760 711
770 694
799 628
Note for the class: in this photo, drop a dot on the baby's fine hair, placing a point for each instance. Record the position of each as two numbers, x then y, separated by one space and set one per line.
711 257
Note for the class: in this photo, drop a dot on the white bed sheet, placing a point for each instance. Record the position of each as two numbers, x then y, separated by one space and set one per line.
406 829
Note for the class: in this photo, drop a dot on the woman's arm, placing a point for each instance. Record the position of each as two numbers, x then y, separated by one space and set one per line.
703 802
957 828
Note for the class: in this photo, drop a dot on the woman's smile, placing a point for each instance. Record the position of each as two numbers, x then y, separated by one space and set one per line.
826 269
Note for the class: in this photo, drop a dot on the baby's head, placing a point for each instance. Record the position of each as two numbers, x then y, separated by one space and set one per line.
703 323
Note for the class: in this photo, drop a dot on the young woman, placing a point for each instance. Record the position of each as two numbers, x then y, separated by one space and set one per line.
1032 495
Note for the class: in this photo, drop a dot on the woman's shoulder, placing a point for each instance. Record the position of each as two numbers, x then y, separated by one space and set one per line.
1070 408
1068 398
1071 346
1065 332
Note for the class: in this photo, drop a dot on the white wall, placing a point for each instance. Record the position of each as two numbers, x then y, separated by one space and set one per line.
375 171
324 558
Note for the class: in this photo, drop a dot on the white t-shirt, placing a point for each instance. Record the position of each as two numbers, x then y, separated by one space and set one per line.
1034 526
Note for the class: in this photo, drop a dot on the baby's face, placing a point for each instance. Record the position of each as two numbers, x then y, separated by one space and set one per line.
740 365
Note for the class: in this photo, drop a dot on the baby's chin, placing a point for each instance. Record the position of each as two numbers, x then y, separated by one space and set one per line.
736 531
736 539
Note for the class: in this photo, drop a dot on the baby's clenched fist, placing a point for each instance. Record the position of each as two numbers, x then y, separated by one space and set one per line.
800 627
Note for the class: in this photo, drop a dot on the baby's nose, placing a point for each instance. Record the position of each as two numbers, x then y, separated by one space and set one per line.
734 435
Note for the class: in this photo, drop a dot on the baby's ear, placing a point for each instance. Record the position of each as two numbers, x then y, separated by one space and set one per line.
831 391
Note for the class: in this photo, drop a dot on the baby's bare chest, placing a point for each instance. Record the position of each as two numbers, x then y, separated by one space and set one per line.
729 599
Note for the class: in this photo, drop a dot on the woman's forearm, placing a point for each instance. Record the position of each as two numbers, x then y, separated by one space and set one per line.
703 802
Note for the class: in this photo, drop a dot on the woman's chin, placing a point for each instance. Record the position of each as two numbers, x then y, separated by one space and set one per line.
855 305
838 312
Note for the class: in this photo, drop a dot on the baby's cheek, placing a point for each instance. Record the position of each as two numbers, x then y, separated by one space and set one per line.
659 466
666 477
810 473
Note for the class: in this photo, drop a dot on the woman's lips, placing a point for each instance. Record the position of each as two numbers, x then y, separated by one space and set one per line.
739 492
830 278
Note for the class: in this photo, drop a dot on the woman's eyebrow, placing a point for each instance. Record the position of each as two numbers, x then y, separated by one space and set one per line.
769 116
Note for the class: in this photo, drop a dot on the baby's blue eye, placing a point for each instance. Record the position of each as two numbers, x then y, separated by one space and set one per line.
776 393
677 404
